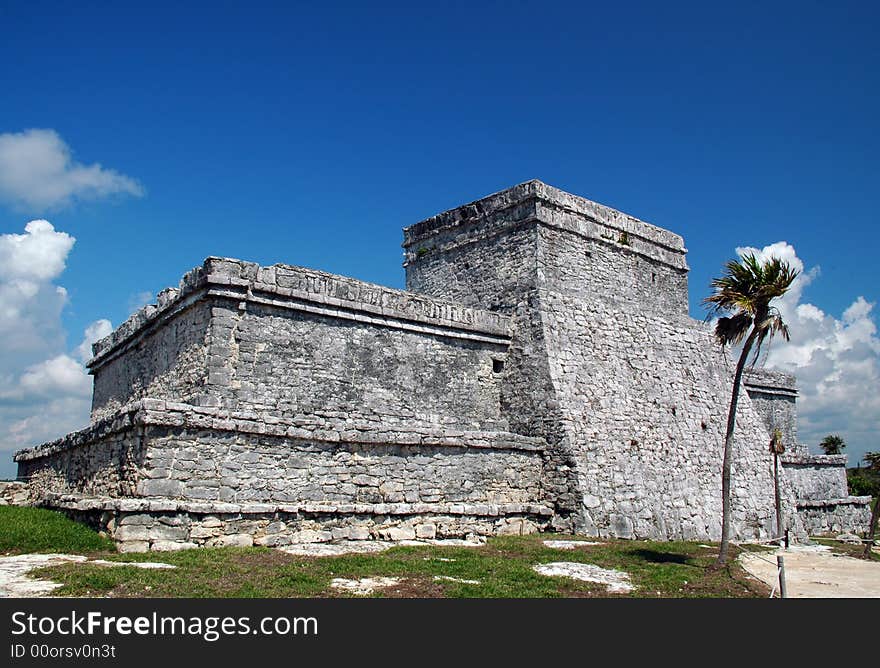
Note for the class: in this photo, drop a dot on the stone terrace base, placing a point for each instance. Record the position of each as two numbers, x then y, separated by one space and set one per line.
160 475
835 516
140 525
823 504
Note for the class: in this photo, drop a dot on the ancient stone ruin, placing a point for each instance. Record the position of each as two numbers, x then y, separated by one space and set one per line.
540 372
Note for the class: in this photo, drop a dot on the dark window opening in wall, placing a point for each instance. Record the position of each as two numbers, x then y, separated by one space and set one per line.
497 366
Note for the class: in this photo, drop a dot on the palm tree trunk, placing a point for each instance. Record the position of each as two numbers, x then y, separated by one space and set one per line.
777 498
728 449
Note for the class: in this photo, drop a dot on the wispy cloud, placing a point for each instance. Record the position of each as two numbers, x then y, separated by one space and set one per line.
38 173
138 300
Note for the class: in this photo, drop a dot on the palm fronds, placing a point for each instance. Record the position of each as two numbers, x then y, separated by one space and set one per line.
746 290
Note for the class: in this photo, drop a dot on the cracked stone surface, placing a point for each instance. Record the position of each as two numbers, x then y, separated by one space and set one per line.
363 586
149 565
15 582
569 544
476 541
617 582
367 546
336 549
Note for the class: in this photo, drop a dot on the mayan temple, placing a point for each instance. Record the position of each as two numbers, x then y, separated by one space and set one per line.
540 372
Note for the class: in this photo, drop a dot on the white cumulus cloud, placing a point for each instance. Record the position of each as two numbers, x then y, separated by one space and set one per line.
94 332
38 254
30 304
836 360
59 376
45 390
38 173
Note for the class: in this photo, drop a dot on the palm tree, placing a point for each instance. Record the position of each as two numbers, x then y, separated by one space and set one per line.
873 460
745 292
776 449
832 444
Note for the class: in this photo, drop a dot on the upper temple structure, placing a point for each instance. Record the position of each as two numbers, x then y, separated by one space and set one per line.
540 372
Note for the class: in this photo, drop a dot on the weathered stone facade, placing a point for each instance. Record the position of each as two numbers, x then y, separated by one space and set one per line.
13 493
818 482
774 395
823 502
628 391
539 372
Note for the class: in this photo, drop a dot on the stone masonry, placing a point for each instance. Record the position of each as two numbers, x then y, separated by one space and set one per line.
821 497
539 372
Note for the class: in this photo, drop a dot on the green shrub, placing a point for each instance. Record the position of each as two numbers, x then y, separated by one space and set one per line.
863 482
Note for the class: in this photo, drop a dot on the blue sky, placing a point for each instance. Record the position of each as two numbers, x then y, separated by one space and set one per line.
311 136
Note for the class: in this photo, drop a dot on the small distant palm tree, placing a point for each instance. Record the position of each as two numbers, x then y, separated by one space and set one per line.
832 444
745 292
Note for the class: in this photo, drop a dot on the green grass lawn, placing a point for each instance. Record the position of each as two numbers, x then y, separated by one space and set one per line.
847 549
503 567
24 529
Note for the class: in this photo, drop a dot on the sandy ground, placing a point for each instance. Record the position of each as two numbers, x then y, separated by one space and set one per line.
814 572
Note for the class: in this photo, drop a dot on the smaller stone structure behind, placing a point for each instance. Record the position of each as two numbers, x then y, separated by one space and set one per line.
822 499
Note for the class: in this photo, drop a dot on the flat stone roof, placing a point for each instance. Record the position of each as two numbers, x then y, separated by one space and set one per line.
308 290
771 381
541 203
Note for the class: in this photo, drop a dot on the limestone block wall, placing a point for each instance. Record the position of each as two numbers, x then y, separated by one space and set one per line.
247 467
287 341
646 409
773 393
311 364
823 502
486 255
104 459
829 517
140 525
630 393
284 479
645 392
479 256
164 449
13 493
165 357
817 476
